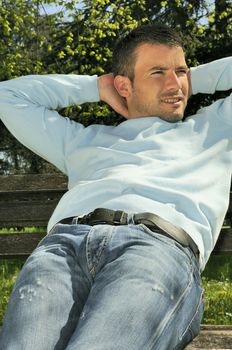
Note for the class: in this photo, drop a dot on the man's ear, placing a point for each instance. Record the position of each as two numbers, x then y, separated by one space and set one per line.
122 85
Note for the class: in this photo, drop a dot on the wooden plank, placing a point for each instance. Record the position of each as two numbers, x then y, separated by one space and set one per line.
19 244
32 182
30 195
26 215
213 337
224 243
29 200
22 210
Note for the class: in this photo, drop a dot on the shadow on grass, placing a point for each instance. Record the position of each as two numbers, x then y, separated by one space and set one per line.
218 268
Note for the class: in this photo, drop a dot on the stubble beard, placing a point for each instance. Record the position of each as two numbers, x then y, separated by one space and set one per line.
145 110
171 118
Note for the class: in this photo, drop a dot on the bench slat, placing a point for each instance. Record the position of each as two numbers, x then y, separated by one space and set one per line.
213 337
19 245
28 209
29 200
224 242
32 182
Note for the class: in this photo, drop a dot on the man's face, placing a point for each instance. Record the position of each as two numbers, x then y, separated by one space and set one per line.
160 86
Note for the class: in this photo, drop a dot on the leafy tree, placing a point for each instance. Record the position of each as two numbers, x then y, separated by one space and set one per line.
218 33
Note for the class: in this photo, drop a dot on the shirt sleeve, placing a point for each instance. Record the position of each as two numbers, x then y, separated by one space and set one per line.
28 108
213 76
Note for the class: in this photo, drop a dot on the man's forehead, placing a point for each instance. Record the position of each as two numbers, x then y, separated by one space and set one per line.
159 55
152 46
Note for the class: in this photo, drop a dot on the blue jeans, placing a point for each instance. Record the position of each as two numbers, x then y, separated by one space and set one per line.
105 288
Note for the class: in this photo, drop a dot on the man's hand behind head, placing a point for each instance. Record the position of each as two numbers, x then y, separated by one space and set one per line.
109 94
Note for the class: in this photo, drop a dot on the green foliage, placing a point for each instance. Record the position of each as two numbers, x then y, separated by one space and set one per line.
19 40
218 302
9 271
78 37
217 282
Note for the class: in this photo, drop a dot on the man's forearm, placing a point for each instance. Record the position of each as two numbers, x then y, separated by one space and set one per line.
213 76
51 91
27 108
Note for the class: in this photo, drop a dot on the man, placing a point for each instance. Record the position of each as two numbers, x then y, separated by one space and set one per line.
120 266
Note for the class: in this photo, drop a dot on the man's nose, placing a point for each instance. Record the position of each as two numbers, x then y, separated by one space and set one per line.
173 82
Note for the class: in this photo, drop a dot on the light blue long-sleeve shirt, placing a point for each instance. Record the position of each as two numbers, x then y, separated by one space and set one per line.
180 171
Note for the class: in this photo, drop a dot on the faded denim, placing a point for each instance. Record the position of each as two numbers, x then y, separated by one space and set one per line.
105 288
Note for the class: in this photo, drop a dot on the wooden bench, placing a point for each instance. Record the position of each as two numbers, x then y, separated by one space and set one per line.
29 200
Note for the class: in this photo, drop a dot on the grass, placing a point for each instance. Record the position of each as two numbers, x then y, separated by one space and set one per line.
216 280
218 302
9 270
21 230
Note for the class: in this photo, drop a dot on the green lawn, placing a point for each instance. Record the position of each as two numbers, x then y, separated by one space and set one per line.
218 301
216 280
9 270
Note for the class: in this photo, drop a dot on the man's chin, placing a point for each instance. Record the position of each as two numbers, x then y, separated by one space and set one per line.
172 117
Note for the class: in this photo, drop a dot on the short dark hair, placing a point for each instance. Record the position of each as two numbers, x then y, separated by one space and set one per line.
124 54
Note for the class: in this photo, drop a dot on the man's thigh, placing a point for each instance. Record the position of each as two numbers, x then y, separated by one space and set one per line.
49 294
144 296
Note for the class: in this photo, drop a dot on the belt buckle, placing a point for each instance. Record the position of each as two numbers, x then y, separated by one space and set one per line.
120 217
83 219
104 216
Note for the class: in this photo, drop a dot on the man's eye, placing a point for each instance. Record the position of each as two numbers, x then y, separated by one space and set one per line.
181 72
157 72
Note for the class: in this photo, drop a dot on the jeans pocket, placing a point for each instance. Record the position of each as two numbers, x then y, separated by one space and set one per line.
193 328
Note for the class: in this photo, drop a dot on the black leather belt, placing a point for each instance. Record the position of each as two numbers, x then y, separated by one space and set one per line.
118 217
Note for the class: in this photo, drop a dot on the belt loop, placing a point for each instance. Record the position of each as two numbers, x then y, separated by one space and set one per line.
131 219
75 220
120 218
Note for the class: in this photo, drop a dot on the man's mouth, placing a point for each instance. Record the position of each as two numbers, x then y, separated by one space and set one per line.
172 100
